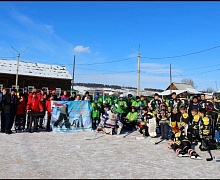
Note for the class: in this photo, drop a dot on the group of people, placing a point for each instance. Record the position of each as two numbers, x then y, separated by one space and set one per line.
21 108
185 121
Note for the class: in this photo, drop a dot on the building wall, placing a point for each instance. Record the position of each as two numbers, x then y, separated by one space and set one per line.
8 80
172 87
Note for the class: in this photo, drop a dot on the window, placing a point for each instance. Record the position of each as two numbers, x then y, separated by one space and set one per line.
30 88
58 92
14 86
46 89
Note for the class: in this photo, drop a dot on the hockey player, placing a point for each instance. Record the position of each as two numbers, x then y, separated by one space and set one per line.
130 100
204 119
184 115
140 112
111 122
143 101
137 103
121 108
109 99
202 102
100 99
173 108
194 104
144 121
106 106
154 104
195 125
96 111
131 119
181 145
163 117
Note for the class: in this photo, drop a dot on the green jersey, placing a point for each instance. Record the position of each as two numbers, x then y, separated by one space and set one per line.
136 104
110 101
96 109
129 102
132 116
122 106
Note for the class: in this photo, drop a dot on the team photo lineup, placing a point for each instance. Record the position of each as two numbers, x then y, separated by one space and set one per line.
182 122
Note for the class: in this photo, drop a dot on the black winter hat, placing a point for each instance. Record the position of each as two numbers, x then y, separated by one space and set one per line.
137 97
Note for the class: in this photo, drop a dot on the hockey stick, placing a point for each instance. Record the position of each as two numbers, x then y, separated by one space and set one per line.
94 136
159 141
209 151
211 157
127 134
95 133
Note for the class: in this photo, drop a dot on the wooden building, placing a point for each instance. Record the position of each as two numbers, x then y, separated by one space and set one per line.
34 75
181 89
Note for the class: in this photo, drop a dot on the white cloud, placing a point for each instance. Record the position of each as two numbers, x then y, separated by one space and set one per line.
21 18
82 49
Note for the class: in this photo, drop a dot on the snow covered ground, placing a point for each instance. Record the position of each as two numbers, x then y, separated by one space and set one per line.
76 155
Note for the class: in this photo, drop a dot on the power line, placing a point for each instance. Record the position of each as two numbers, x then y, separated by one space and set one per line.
107 61
120 72
204 72
7 58
201 67
88 63
98 70
183 54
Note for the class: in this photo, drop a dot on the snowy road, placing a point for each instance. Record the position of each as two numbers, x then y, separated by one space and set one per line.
70 155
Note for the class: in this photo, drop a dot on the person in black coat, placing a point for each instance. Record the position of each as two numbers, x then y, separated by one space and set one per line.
9 109
1 114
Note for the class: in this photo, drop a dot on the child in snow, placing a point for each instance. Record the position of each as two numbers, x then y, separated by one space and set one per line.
163 122
131 119
195 125
181 145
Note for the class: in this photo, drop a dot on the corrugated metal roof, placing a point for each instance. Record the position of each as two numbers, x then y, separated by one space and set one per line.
181 86
188 90
34 69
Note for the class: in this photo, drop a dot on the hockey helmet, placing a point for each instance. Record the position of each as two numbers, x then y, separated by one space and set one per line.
121 96
114 109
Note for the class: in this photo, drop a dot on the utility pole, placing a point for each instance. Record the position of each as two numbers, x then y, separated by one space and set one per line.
16 81
138 78
138 71
170 80
74 62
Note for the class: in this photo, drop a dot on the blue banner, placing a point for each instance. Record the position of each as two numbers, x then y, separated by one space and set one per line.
71 116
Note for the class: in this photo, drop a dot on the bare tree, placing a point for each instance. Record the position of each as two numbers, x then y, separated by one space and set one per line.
209 90
189 81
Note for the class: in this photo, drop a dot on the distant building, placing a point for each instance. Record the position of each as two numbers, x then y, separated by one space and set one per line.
34 75
181 89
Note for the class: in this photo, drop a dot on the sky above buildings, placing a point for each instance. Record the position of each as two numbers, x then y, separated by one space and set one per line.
105 38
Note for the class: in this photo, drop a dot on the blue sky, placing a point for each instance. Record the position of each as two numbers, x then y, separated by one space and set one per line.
101 32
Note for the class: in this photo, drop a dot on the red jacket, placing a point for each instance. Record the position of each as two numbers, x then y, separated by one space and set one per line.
48 107
40 96
29 96
21 106
34 104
